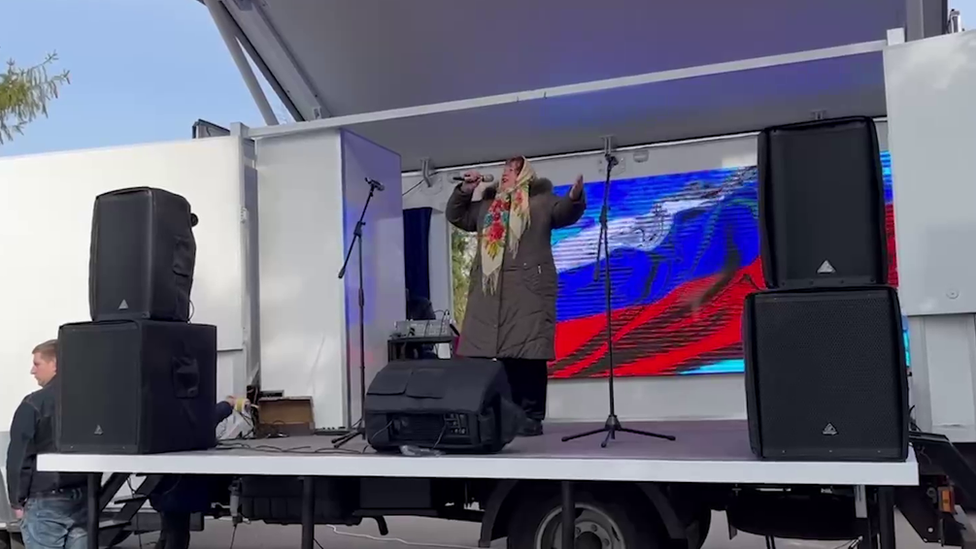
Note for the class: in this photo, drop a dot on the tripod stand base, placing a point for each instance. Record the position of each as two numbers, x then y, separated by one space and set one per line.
339 442
611 428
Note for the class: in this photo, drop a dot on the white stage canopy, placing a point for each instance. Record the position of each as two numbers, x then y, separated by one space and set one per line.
550 76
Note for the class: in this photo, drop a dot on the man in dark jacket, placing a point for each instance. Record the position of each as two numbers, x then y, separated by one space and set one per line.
511 311
51 506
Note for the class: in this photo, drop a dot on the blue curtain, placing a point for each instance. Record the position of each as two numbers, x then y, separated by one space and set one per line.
416 238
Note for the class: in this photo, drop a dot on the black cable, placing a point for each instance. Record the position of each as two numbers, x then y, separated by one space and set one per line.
138 531
233 536
302 450
370 439
408 191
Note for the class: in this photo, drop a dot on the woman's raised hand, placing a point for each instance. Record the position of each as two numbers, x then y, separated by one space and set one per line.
577 190
471 180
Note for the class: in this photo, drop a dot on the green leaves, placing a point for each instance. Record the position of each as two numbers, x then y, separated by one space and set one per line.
463 247
25 94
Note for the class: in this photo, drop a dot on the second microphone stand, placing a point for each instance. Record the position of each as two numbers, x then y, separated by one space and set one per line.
357 242
612 425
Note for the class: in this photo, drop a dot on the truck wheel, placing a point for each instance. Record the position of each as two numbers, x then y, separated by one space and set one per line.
697 532
605 519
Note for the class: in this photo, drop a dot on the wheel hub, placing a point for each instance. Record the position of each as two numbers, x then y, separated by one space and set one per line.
594 530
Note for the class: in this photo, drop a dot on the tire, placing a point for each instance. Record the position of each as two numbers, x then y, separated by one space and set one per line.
606 519
698 529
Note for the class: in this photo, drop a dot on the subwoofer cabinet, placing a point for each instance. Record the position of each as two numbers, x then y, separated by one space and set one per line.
136 387
826 374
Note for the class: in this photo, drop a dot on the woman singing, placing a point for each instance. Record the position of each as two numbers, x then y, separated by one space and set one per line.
511 311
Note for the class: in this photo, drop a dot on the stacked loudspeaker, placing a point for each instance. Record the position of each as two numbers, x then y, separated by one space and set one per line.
826 374
139 378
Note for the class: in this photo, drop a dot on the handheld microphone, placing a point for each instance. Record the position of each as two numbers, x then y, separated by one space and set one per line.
486 178
375 184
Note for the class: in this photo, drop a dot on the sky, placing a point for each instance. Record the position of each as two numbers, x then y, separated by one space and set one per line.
142 70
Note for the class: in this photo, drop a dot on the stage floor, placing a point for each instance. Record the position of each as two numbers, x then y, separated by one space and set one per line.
704 452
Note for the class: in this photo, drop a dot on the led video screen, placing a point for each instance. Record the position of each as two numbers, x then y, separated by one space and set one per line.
670 237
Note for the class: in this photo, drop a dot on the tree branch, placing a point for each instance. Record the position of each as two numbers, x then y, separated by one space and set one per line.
25 94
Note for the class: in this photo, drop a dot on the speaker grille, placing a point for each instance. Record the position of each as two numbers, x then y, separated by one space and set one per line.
143 255
100 374
829 371
138 386
821 204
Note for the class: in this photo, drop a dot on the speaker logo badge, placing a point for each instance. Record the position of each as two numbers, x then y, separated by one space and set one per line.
826 268
829 430
124 305
98 430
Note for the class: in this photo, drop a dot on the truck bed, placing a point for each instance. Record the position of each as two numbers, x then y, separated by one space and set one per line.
704 452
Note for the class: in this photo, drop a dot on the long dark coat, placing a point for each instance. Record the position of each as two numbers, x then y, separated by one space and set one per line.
518 320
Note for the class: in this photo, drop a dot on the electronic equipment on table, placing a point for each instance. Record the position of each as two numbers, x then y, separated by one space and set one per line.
414 334
440 328
460 405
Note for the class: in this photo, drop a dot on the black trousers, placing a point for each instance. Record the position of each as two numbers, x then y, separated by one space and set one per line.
528 379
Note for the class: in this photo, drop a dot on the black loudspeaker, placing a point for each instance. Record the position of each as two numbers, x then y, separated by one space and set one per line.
136 387
460 405
142 256
821 205
826 374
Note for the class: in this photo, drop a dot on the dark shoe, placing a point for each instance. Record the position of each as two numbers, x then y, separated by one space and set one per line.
530 428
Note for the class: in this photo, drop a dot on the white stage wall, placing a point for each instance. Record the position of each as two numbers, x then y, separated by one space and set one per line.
311 190
929 86
303 322
715 396
45 226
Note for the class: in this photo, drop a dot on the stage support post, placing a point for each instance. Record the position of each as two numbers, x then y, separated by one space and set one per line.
94 483
568 515
308 512
886 517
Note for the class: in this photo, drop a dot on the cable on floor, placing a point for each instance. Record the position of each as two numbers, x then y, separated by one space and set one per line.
307 450
388 539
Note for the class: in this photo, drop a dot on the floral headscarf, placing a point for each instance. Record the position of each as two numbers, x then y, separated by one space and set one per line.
506 221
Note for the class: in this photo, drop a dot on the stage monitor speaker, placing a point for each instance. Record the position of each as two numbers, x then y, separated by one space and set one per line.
821 205
459 405
143 255
136 387
826 374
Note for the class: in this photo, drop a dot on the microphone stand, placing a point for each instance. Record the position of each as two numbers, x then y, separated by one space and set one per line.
612 425
359 428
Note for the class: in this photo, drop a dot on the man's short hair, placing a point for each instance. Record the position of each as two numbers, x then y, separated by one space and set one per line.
48 349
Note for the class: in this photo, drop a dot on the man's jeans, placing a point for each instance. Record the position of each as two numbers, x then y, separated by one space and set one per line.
55 521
